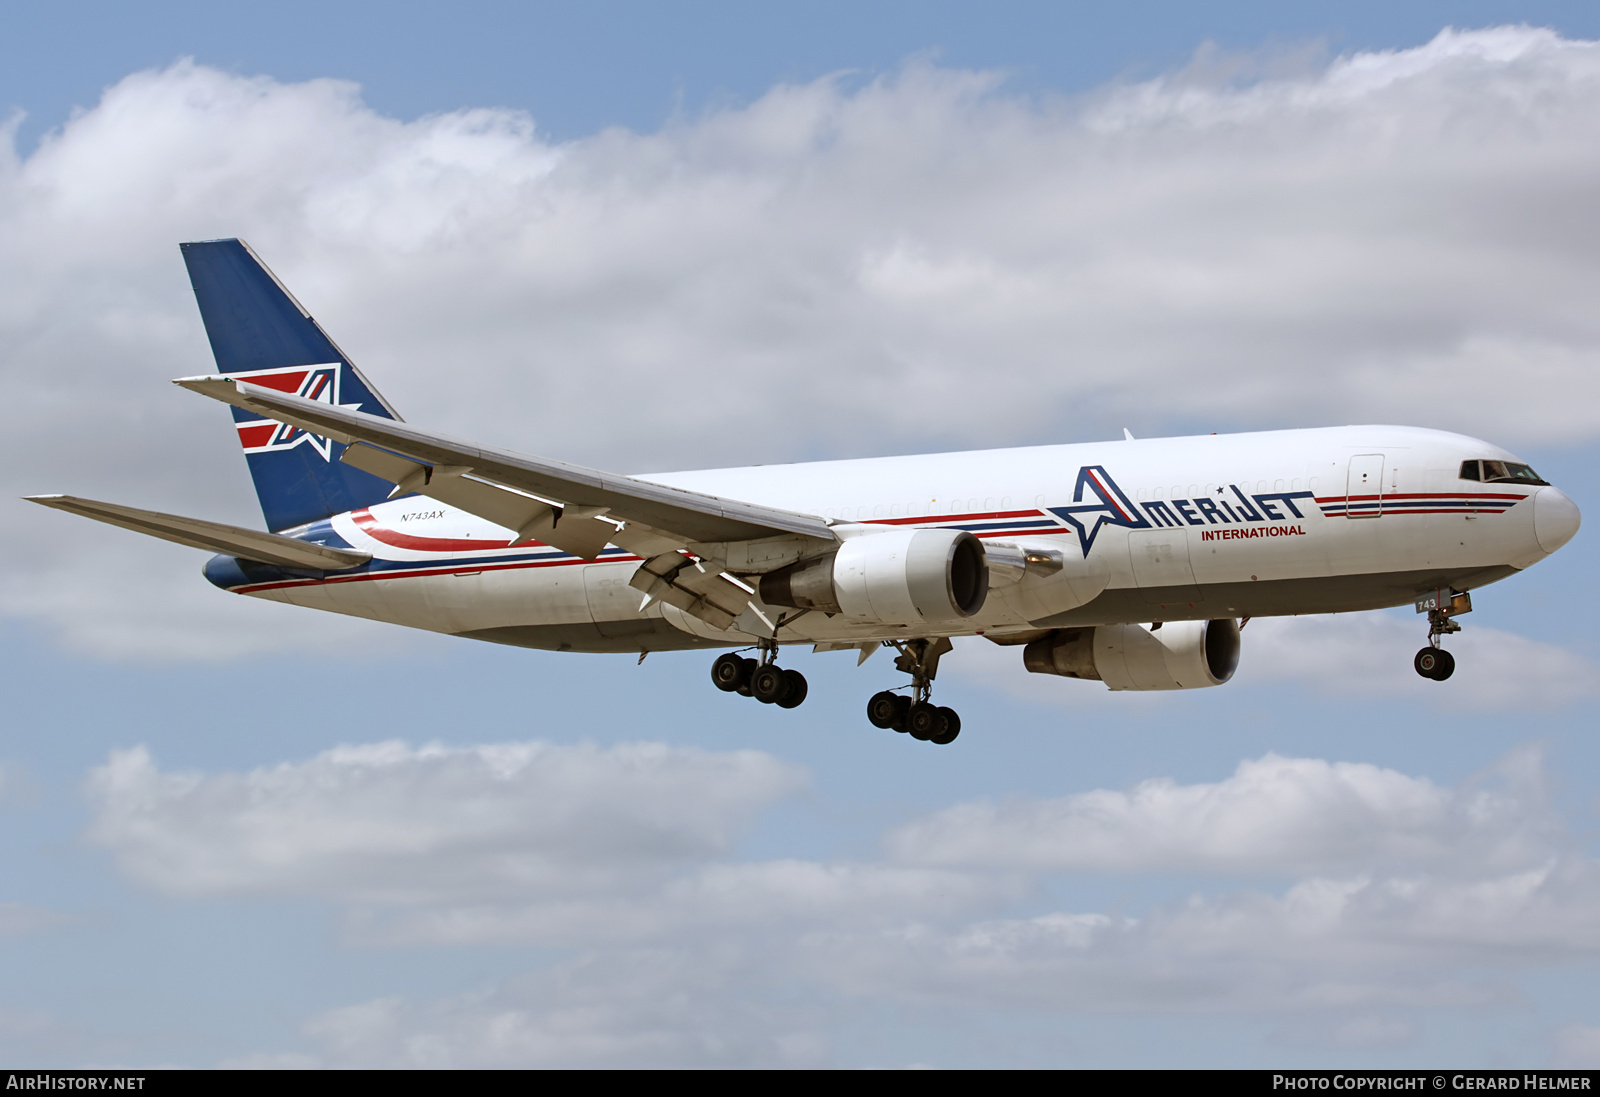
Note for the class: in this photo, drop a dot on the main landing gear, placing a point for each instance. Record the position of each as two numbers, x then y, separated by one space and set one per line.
916 715
1441 606
762 679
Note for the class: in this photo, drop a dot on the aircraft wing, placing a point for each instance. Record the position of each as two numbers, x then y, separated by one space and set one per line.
249 544
653 518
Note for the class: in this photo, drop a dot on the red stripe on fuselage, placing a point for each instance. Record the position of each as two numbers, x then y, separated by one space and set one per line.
1480 496
946 519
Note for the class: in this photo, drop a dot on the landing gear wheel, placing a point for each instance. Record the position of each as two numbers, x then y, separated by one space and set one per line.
750 666
1435 663
952 727
883 710
795 689
902 706
768 684
728 673
924 721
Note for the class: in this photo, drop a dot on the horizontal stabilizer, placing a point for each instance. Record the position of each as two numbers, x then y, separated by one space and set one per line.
247 544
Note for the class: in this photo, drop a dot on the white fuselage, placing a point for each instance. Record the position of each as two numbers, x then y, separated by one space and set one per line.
1301 521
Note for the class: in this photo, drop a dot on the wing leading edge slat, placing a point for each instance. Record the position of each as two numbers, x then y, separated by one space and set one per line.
671 514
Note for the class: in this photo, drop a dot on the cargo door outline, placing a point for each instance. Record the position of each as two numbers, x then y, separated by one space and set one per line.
613 604
1162 569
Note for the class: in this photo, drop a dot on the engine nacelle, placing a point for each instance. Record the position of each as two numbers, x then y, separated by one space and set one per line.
1178 655
902 577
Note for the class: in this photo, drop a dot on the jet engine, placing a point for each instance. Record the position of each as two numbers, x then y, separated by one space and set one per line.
902 577
1174 655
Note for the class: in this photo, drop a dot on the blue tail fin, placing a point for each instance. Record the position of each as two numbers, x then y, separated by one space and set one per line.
259 332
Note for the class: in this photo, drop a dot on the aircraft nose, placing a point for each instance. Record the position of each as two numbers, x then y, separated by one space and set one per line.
1555 518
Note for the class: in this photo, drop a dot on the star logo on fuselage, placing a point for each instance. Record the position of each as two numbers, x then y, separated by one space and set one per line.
1113 508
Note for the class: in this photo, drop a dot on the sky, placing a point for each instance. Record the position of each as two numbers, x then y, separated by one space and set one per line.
645 238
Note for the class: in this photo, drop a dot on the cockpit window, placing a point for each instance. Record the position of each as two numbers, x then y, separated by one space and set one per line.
1499 472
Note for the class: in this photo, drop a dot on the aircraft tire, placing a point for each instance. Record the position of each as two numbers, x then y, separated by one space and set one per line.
1435 663
883 710
728 673
952 727
750 666
768 684
924 721
795 690
902 705
1446 667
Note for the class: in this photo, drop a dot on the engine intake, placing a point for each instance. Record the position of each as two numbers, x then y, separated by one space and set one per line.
902 577
1177 655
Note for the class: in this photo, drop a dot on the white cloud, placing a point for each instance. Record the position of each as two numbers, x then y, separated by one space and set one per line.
634 1008
868 269
1398 893
388 823
1324 944
1274 815
1327 958
770 900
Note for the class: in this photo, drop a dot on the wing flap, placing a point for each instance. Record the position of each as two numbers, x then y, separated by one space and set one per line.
671 513
248 544
698 587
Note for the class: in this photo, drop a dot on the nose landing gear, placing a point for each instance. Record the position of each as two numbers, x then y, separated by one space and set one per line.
916 715
762 679
1440 606
1435 663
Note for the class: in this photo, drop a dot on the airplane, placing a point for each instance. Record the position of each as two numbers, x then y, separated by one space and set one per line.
1135 563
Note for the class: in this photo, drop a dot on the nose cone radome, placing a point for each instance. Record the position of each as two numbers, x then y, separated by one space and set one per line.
1555 519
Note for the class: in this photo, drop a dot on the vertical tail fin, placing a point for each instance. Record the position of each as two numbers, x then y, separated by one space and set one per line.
259 332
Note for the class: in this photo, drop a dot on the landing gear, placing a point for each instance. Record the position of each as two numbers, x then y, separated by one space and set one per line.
916 715
1435 663
1441 606
764 679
